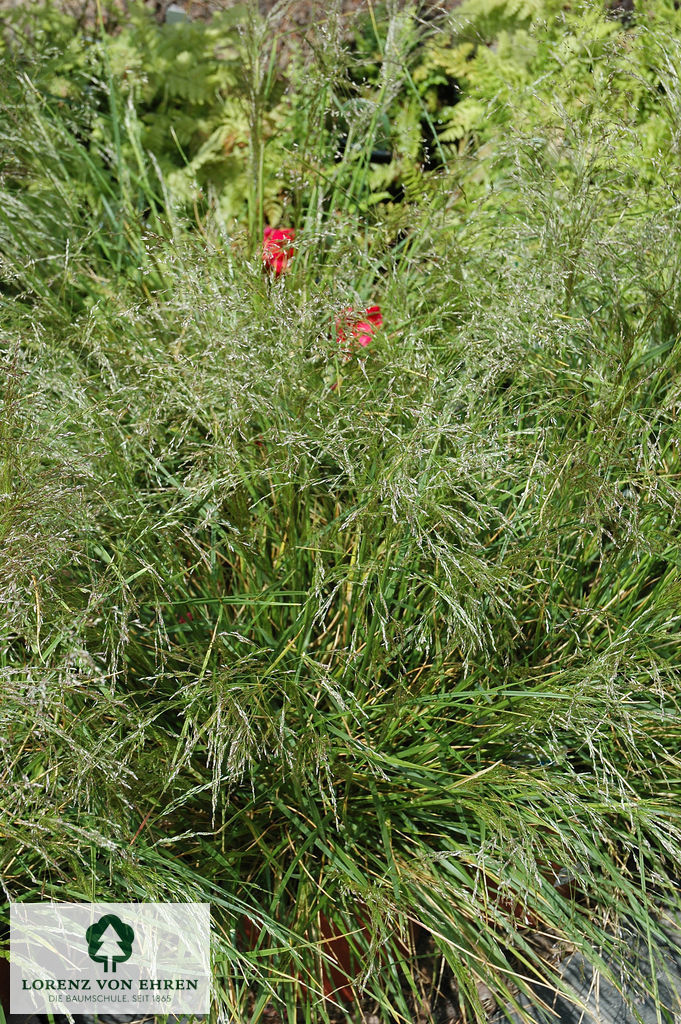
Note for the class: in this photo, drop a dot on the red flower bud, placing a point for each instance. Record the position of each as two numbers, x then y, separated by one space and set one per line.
276 255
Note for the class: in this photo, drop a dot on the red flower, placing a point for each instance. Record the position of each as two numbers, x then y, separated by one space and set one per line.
361 327
275 253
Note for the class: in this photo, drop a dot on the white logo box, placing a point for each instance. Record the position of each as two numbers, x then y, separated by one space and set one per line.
123 958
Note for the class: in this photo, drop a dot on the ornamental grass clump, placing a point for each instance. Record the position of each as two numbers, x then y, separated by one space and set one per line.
388 674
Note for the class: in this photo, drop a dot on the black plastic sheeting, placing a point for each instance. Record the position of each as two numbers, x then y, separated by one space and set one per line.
629 1001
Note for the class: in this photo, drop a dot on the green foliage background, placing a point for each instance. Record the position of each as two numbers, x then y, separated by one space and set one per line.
346 660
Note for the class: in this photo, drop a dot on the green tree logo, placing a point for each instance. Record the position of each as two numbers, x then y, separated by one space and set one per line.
109 941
